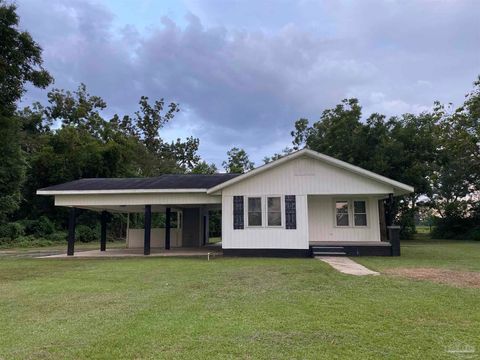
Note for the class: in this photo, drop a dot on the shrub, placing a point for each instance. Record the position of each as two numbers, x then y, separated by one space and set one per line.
11 230
474 234
31 241
5 241
456 228
40 227
56 237
84 233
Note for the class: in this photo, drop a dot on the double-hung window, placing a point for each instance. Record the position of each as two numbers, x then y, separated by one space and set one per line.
274 211
342 213
360 213
254 211
345 210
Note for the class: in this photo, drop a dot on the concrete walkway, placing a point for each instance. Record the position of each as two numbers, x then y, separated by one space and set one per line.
346 265
115 253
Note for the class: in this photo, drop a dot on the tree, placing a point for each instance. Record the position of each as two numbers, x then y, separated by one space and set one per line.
202 167
149 120
78 109
457 165
277 156
238 161
20 63
401 148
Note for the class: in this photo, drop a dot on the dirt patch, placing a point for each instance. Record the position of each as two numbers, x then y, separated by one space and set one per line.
441 276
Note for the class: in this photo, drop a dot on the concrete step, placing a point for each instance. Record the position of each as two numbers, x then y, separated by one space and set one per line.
329 253
328 250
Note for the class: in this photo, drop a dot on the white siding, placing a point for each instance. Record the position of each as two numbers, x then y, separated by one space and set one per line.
303 177
157 239
322 225
264 237
307 176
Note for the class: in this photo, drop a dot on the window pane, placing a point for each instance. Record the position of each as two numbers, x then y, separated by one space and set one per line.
274 219
254 219
274 204
342 207
255 204
359 207
360 220
342 219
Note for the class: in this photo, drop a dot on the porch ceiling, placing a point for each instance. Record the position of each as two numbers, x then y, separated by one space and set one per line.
141 208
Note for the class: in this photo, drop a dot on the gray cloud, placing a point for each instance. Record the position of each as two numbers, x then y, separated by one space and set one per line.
243 79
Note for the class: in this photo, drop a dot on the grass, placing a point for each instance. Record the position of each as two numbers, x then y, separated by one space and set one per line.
235 308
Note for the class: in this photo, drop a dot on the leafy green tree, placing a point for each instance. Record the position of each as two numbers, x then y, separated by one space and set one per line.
237 162
20 63
20 60
78 109
149 121
402 148
277 156
202 167
456 179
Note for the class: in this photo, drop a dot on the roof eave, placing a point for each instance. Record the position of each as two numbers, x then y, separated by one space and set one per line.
118 191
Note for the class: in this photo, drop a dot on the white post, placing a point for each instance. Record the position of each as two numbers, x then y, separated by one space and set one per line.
128 230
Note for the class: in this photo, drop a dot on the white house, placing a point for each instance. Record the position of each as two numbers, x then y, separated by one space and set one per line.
302 203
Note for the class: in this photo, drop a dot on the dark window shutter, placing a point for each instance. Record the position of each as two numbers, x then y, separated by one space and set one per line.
238 212
290 212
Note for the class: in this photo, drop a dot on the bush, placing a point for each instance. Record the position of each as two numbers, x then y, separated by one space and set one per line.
85 234
40 227
31 241
456 228
57 237
407 224
5 241
11 230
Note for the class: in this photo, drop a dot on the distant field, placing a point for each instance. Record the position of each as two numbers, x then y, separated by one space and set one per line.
241 307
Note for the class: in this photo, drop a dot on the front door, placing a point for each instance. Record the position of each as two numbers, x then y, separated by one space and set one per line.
191 227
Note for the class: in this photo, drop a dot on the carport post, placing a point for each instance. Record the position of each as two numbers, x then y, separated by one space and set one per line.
103 235
168 216
71 232
147 229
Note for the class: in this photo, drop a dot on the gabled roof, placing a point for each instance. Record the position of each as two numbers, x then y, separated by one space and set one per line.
163 183
398 186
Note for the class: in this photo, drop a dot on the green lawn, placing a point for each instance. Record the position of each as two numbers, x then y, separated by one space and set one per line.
236 308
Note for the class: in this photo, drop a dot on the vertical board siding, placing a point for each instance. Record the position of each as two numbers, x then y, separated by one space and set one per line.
264 237
290 212
315 184
135 238
306 176
322 225
238 210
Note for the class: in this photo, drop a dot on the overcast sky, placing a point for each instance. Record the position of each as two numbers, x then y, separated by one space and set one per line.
244 71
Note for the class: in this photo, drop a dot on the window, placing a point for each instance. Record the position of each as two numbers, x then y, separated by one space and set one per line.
341 212
255 211
360 213
274 211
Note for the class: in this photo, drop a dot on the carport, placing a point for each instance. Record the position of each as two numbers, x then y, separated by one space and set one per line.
182 199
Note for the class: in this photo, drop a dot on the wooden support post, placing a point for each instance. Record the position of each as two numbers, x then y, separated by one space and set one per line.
71 232
103 231
128 230
147 229
394 237
168 217
205 229
390 210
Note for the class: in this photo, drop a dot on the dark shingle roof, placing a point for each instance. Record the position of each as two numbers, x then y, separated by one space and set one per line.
168 181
